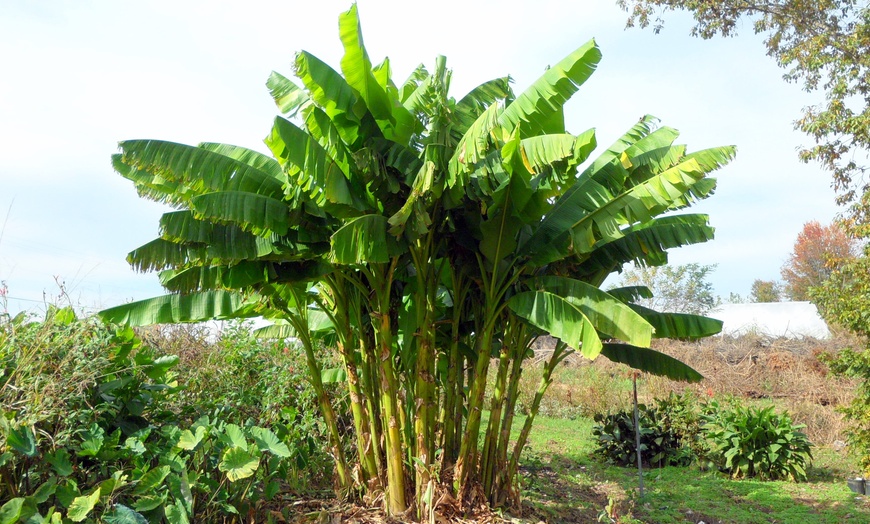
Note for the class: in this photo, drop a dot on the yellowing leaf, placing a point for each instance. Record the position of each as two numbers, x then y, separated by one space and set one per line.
238 464
81 506
626 163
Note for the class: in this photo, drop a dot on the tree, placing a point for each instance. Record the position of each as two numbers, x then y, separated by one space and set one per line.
679 289
844 300
818 251
823 44
735 298
765 291
425 237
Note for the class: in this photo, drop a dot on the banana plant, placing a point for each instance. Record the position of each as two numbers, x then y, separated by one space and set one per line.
435 236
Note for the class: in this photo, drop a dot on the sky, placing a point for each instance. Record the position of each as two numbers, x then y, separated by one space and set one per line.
78 76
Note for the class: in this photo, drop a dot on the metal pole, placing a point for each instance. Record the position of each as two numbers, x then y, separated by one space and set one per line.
637 436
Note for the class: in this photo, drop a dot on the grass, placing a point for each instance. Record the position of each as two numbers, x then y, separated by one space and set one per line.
565 482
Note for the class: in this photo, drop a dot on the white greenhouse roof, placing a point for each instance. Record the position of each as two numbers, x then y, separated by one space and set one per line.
775 319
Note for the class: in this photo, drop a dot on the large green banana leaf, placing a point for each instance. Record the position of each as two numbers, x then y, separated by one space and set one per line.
250 157
363 239
241 275
198 168
161 254
357 67
542 151
560 318
699 191
172 309
153 187
395 121
679 325
473 104
630 294
651 361
609 315
474 145
254 213
335 97
713 158
287 95
226 243
183 227
647 243
660 139
411 88
649 163
417 100
203 278
317 173
543 100
641 129
588 212
323 129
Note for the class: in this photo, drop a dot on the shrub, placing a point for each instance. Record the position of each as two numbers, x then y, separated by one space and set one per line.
743 441
751 442
856 364
660 445
235 374
92 426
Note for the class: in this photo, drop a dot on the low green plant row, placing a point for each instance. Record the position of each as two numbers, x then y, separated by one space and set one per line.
85 435
745 442
147 477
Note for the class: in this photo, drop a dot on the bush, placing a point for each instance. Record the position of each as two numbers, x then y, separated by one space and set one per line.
95 425
856 364
660 445
750 442
743 441
234 373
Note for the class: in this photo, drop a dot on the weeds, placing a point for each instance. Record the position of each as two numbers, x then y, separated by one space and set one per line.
95 424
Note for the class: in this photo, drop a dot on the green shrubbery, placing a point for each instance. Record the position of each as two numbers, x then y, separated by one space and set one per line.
844 301
856 364
743 441
97 425
756 442
660 445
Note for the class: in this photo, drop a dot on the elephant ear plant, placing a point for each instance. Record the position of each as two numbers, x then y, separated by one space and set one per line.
427 238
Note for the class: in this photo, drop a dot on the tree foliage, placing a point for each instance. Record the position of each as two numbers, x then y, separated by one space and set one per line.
678 289
844 300
824 45
818 251
844 297
425 238
765 291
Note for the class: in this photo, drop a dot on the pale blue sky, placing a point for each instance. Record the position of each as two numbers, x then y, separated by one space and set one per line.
78 76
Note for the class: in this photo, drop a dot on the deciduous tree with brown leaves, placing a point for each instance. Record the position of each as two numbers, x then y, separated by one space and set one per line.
818 251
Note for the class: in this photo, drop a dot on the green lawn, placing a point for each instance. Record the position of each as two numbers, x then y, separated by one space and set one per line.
564 482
